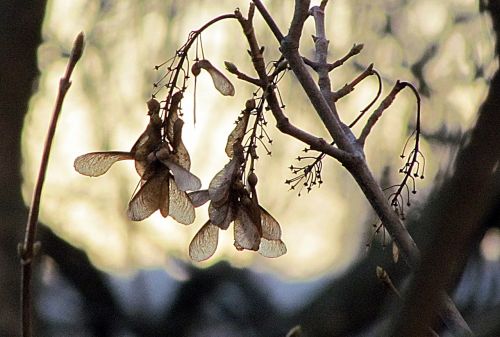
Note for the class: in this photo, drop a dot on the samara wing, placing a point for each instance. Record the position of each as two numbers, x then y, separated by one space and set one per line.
185 180
204 243
199 198
246 234
271 244
237 134
218 188
147 200
181 208
95 164
221 82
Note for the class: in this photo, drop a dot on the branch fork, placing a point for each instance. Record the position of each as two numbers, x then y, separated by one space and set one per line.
323 101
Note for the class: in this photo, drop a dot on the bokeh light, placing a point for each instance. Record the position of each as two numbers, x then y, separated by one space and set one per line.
324 230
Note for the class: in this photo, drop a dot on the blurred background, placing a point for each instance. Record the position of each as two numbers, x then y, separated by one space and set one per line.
103 275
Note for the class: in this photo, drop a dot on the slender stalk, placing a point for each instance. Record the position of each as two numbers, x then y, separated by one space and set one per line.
28 249
357 165
184 50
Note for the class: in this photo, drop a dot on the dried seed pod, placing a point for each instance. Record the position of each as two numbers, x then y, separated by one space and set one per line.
196 69
252 179
204 243
153 106
95 164
236 136
221 82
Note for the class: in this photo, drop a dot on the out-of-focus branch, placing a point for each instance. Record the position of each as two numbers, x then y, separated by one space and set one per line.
458 213
27 250
346 141
74 265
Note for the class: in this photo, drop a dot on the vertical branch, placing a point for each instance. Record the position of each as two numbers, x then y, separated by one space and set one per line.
28 249
289 48
283 124
321 44
357 165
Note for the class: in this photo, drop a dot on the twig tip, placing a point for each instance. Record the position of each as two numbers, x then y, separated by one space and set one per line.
78 47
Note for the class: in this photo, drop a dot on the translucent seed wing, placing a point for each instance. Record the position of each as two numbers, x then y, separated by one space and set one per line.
220 184
149 140
237 134
180 207
271 244
271 248
199 198
182 157
95 164
217 215
246 235
204 243
221 82
165 196
231 215
271 229
173 115
147 200
185 180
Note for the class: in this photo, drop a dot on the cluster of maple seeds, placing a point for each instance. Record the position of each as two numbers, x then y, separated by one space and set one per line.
163 165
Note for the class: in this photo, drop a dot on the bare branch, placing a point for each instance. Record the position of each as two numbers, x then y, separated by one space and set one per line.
242 76
28 250
378 112
269 19
348 88
300 14
282 122
355 50
289 47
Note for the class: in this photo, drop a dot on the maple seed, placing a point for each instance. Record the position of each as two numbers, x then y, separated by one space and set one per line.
153 106
196 69
252 179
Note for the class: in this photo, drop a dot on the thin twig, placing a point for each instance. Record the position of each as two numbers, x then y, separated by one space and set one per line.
282 122
242 76
348 88
28 250
378 112
357 166
269 20
355 50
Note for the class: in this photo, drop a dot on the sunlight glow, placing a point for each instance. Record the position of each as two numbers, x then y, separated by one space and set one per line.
105 110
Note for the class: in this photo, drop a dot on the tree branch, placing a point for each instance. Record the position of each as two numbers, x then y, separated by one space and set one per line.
28 251
378 112
342 135
457 214
282 122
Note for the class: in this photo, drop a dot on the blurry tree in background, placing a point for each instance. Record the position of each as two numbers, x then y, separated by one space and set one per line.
446 49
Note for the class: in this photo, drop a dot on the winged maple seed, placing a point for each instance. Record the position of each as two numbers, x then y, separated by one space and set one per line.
221 82
231 201
162 162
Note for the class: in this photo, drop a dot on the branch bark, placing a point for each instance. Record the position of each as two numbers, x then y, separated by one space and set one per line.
457 214
346 141
20 36
28 249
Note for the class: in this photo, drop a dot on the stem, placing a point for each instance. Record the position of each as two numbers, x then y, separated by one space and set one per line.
282 122
183 51
27 250
357 165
